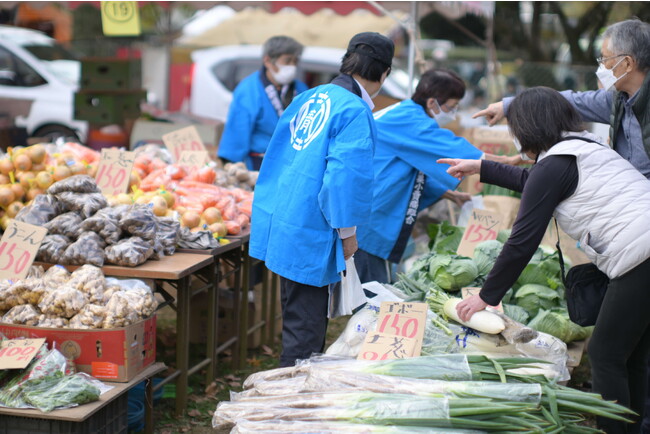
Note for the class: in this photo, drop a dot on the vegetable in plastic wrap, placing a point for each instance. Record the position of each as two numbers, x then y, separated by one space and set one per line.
129 252
65 301
89 280
69 391
30 290
75 184
35 271
52 248
201 240
56 276
158 250
43 208
91 317
24 314
140 221
119 312
168 233
86 204
111 288
105 222
52 321
8 296
88 249
68 224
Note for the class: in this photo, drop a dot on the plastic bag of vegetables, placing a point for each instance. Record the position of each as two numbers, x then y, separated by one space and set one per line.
104 222
53 248
76 184
56 276
129 252
86 204
52 321
41 210
24 314
48 393
65 302
88 249
67 224
168 234
89 280
140 221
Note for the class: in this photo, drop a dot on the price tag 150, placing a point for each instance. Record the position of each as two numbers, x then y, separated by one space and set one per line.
482 226
17 353
18 248
185 139
114 171
406 319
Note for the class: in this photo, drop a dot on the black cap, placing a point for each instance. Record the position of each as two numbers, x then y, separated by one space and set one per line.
374 45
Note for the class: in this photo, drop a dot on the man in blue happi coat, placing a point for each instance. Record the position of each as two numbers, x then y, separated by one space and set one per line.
315 187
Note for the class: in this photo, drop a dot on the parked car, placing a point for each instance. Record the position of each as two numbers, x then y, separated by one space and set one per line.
217 71
38 78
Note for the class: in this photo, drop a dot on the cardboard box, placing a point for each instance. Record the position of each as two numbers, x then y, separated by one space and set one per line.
111 355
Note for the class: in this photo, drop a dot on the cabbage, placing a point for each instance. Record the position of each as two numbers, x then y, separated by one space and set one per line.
503 235
533 297
559 325
452 272
515 312
485 255
444 237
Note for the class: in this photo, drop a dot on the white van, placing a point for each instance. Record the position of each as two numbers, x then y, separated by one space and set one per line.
38 79
217 71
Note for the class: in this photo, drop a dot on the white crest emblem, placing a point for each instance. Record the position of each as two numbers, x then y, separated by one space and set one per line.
308 123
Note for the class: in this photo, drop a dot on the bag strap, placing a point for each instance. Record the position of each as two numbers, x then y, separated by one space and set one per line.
584 139
559 253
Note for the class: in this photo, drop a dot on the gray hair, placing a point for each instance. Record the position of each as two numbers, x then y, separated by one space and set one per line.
278 45
631 37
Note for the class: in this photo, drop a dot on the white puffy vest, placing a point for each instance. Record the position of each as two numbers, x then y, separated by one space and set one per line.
609 213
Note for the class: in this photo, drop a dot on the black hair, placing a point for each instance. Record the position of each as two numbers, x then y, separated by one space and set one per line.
364 66
538 116
440 84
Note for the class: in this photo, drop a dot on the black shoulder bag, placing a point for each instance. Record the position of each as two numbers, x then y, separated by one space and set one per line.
585 288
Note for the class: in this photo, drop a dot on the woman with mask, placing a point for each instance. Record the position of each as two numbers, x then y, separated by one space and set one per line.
410 138
258 102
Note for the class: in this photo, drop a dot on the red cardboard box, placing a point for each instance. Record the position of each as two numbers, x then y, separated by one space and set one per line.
111 355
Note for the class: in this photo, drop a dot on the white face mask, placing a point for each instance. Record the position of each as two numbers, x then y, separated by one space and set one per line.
607 77
442 117
518 147
285 75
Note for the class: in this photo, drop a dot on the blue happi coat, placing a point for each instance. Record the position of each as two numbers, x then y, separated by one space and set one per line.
316 176
251 120
408 142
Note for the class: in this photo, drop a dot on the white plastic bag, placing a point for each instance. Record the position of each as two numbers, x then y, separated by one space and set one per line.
347 296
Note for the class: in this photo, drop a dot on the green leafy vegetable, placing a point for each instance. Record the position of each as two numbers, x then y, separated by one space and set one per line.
559 325
516 313
452 272
485 255
533 297
444 237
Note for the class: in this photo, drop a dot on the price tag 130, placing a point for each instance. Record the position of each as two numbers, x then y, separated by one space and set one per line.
405 319
18 248
17 353
194 159
114 171
384 346
185 139
482 226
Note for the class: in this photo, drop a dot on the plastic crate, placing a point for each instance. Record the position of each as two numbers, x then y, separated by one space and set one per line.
110 419
108 107
100 73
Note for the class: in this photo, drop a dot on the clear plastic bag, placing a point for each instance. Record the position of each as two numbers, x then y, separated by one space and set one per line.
91 317
86 204
201 240
129 252
65 302
53 248
43 208
47 394
29 290
75 184
68 224
105 222
89 280
56 276
168 233
119 313
88 249
52 321
158 249
140 221
24 314
9 298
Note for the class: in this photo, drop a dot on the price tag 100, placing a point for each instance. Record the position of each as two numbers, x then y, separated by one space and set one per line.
405 319
17 353
185 139
18 248
482 226
384 346
194 159
114 171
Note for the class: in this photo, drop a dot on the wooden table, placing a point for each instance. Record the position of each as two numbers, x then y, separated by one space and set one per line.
85 411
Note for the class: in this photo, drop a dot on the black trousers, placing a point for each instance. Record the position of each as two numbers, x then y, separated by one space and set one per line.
304 320
619 347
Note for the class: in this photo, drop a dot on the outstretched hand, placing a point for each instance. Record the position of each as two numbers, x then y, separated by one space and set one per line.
461 168
493 113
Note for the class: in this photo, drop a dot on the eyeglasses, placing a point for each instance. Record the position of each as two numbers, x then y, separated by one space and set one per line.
602 59
451 110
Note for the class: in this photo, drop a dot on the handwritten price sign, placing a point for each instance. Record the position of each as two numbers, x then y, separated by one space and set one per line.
114 171
18 248
194 159
185 139
17 353
482 226
383 346
403 319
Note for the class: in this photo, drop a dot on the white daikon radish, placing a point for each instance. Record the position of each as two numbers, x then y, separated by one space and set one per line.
483 321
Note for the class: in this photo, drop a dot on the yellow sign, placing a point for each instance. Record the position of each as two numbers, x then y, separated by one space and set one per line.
120 18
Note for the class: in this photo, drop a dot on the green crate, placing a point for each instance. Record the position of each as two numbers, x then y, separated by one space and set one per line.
107 107
102 73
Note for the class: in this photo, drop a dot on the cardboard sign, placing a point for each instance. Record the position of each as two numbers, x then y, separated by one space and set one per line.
114 171
185 139
405 319
18 248
120 18
482 226
468 291
194 159
504 206
383 346
17 353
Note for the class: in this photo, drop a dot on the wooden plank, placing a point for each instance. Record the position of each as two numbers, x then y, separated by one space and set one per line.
244 236
83 412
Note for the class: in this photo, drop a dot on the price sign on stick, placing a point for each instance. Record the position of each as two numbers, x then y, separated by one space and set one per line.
185 139
403 319
17 353
468 291
114 171
18 248
383 346
194 159
482 226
